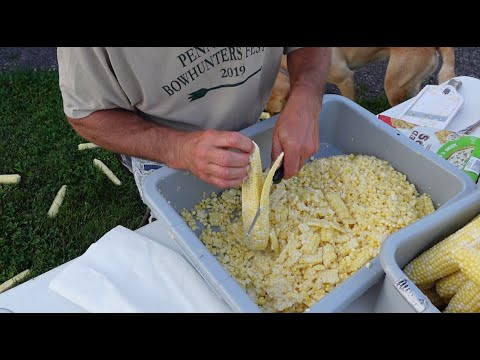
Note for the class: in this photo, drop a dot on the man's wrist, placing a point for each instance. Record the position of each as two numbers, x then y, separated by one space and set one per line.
173 146
306 99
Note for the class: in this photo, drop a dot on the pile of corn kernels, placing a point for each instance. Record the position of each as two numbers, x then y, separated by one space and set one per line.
312 247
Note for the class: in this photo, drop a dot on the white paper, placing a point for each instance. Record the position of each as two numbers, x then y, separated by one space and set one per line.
127 272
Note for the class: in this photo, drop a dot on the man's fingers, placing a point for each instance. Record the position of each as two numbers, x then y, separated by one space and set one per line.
291 165
227 173
276 148
235 140
228 158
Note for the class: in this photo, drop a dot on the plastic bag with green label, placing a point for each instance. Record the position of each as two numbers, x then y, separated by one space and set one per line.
463 151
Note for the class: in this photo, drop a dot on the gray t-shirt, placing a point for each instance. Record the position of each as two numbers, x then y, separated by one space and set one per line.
223 88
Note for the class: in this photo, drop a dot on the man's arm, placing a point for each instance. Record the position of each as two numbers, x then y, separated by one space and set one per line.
296 131
204 153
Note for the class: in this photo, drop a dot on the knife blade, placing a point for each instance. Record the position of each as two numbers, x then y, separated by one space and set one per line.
255 218
278 176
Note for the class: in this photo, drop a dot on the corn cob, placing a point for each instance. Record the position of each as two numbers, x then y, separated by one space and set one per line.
434 298
424 205
252 189
9 283
86 146
57 202
255 194
468 260
104 168
10 179
438 262
448 286
466 300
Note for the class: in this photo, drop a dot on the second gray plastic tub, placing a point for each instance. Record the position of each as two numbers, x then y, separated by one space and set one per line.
345 127
398 294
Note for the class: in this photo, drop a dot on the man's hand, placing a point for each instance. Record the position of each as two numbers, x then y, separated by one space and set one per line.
220 158
296 132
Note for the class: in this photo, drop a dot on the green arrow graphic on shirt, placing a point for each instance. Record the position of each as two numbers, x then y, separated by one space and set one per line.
202 92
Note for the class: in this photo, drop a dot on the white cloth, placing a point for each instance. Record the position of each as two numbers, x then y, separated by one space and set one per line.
127 272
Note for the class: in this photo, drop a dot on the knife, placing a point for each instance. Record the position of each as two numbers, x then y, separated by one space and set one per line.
255 218
278 176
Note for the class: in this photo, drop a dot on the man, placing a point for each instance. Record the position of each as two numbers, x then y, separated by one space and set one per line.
183 107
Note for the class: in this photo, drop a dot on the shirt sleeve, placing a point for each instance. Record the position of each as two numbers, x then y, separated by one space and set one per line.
88 83
287 50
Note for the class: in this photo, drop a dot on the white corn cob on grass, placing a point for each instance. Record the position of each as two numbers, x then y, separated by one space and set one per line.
11 282
255 194
10 179
86 146
104 168
57 202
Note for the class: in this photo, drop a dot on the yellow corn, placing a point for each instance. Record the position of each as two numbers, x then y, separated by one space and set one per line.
311 246
311 259
255 194
434 298
337 205
466 300
424 205
468 260
326 235
438 262
448 286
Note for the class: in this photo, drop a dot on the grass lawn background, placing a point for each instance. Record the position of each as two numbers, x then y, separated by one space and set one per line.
38 143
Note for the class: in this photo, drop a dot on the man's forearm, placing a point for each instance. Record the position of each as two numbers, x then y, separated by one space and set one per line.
308 71
125 132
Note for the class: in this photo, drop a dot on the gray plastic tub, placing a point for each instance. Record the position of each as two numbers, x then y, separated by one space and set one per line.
398 293
345 127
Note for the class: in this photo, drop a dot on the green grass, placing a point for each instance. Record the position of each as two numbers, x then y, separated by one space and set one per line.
375 105
37 142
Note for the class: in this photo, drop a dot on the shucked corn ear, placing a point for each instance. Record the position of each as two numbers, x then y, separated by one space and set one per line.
448 286
438 262
255 194
466 300
468 260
